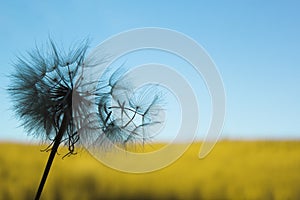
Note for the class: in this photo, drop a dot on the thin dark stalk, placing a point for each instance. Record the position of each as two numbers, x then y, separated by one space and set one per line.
53 152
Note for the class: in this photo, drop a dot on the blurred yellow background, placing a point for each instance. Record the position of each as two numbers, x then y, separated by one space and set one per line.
233 170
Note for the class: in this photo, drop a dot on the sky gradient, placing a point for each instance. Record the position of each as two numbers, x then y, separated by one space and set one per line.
255 45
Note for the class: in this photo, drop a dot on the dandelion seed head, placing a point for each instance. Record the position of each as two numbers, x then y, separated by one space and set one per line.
41 89
48 85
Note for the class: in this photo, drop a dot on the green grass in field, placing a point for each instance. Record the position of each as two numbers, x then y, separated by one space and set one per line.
233 170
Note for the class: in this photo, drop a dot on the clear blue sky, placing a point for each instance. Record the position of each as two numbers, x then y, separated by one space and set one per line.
255 45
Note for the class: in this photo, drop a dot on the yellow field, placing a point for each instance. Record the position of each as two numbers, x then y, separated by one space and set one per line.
233 170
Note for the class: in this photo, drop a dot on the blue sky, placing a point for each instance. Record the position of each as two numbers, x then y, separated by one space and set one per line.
255 45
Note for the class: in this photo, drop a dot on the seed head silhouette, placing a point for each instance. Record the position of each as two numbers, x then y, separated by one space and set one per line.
46 90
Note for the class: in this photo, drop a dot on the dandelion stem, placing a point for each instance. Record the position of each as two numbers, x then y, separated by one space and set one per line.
56 144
